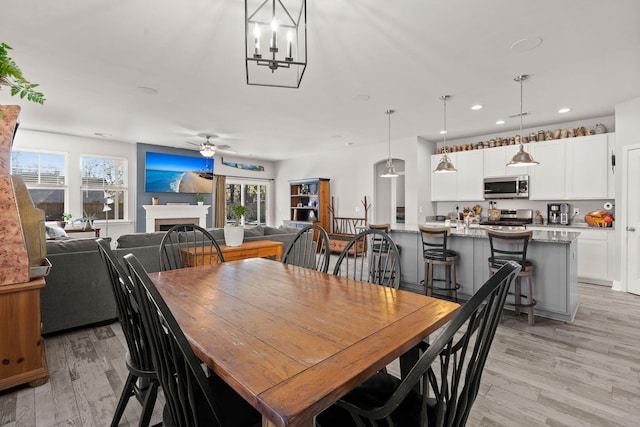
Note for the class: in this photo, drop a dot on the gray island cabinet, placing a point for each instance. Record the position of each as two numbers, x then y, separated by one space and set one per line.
553 253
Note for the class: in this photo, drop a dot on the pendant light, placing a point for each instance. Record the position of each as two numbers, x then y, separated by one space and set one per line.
389 171
445 164
522 158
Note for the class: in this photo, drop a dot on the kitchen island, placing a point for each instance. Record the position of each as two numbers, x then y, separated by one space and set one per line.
553 253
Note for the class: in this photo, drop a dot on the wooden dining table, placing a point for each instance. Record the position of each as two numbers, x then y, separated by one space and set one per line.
292 340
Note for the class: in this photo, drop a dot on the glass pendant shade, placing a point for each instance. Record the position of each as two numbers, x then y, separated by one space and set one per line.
445 165
522 158
389 171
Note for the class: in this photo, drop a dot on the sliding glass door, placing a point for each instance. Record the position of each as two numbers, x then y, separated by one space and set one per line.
251 194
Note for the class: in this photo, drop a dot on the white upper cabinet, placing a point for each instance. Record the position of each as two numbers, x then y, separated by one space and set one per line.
470 184
496 159
464 185
443 185
547 180
570 169
588 163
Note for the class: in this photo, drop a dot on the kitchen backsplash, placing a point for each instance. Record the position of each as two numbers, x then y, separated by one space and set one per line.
584 206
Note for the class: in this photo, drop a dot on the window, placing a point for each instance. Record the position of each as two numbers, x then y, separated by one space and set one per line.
44 176
253 195
103 180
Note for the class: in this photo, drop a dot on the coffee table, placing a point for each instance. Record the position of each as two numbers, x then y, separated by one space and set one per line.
252 249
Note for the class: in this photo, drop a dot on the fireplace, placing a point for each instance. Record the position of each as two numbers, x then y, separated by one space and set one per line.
162 217
164 224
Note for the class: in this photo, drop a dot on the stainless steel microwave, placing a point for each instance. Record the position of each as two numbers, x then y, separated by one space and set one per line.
507 187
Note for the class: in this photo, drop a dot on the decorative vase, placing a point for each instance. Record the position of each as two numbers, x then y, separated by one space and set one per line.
155 200
233 235
200 203
600 128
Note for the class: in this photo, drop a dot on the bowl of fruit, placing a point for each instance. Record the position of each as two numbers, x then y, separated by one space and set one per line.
599 219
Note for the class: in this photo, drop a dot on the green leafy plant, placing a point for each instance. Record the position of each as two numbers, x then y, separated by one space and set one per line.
66 217
11 75
238 212
200 197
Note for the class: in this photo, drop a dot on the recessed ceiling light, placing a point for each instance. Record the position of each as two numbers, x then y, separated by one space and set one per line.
442 132
564 110
147 90
525 45
477 107
362 97
500 122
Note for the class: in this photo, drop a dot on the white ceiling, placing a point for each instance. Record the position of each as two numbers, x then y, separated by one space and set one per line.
92 56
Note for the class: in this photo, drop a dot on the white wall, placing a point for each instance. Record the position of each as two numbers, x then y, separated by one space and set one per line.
627 133
351 171
75 147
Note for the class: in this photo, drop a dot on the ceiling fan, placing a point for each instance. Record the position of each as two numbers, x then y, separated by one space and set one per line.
208 148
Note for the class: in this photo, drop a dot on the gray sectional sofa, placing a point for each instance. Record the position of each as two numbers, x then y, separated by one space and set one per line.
78 292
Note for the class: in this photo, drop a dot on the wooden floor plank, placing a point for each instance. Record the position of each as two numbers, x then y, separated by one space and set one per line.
585 373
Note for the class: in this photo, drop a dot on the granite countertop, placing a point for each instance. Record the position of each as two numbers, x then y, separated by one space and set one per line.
574 224
565 237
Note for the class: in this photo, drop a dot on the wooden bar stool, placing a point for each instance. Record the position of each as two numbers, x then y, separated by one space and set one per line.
435 252
512 246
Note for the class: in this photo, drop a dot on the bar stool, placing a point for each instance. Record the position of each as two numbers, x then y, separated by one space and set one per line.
512 246
435 252
382 227
380 246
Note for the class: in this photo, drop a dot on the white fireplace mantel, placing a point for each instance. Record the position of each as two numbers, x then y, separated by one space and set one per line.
174 211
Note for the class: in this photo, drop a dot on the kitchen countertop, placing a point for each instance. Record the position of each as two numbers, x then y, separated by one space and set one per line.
575 224
479 232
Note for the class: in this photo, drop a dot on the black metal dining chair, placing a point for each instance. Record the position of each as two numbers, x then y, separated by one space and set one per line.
370 256
194 396
309 249
188 238
442 386
142 381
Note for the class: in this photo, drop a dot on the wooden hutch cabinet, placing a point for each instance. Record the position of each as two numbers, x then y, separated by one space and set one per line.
309 203
22 246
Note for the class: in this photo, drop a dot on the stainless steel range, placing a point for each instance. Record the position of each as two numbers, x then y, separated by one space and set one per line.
510 219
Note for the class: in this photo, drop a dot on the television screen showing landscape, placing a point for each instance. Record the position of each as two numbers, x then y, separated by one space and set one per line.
171 173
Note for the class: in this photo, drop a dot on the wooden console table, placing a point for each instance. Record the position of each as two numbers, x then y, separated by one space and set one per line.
22 354
253 249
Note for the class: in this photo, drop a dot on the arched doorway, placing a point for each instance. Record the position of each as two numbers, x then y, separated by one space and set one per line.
389 197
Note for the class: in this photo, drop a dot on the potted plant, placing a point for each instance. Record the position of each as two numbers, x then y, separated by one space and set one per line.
234 234
66 219
200 199
11 75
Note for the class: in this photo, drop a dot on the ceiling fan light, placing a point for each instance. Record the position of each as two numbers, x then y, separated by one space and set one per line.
208 151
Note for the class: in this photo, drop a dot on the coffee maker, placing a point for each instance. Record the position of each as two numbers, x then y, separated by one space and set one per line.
558 213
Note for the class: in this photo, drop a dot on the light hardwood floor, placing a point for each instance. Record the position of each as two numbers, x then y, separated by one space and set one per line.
586 373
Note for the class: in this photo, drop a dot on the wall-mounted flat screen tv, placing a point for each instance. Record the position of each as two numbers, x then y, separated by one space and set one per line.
172 173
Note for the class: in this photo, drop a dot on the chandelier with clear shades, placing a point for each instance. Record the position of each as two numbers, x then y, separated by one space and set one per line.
522 158
445 164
